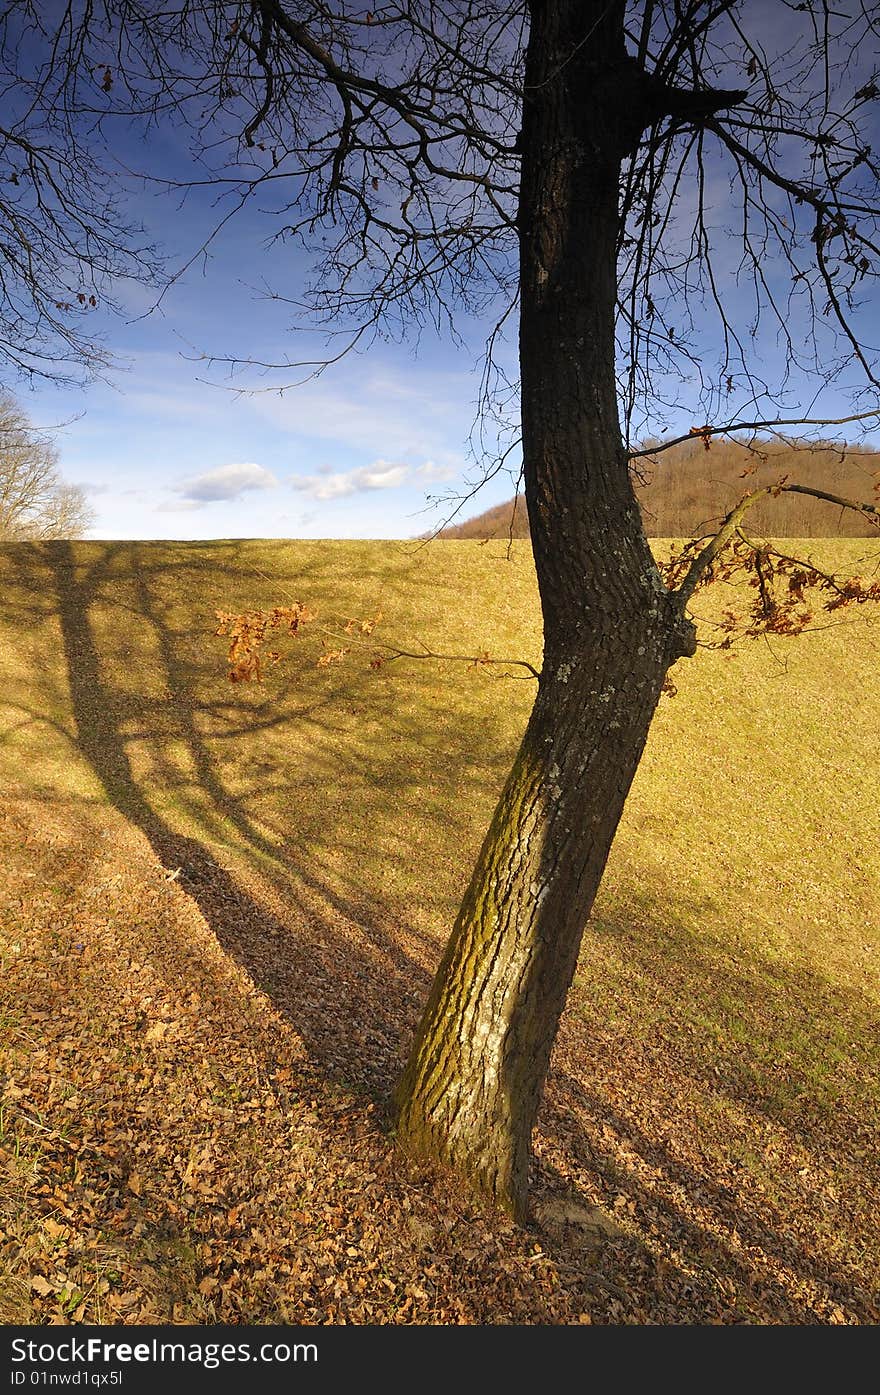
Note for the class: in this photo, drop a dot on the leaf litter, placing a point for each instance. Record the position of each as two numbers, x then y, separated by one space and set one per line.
198 1052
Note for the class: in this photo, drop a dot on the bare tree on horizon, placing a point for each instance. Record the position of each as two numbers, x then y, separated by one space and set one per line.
36 504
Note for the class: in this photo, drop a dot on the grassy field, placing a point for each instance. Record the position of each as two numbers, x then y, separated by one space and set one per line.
221 906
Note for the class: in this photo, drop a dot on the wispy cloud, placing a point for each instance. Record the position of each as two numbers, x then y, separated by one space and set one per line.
92 486
404 415
435 470
225 483
178 505
325 484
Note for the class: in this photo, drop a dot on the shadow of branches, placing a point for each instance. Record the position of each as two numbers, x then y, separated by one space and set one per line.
273 850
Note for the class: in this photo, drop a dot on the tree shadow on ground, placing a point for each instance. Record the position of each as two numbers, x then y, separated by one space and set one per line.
298 946
336 963
743 1165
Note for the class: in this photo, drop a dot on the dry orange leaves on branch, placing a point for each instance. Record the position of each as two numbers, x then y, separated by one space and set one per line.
247 631
783 585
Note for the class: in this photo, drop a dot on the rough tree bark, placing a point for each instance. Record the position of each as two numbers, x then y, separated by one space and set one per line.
470 1093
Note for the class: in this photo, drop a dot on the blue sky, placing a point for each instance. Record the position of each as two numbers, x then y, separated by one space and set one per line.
173 448
164 454
169 447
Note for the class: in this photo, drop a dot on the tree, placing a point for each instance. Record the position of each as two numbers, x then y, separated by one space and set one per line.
65 243
559 158
35 502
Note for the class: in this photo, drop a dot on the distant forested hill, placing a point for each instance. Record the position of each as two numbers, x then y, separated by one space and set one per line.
684 489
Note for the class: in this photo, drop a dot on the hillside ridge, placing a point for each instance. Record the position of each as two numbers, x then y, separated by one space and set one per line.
684 489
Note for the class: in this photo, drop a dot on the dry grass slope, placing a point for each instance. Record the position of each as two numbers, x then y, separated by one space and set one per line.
221 907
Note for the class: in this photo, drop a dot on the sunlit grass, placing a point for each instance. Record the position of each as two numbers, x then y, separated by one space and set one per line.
729 982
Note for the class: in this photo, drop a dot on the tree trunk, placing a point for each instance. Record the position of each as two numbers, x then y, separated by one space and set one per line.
470 1093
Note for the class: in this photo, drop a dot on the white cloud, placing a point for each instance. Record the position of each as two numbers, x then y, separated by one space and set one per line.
407 415
433 470
174 505
326 485
91 487
225 483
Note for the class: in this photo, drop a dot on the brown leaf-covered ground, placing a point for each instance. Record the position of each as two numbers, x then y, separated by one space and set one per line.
219 912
